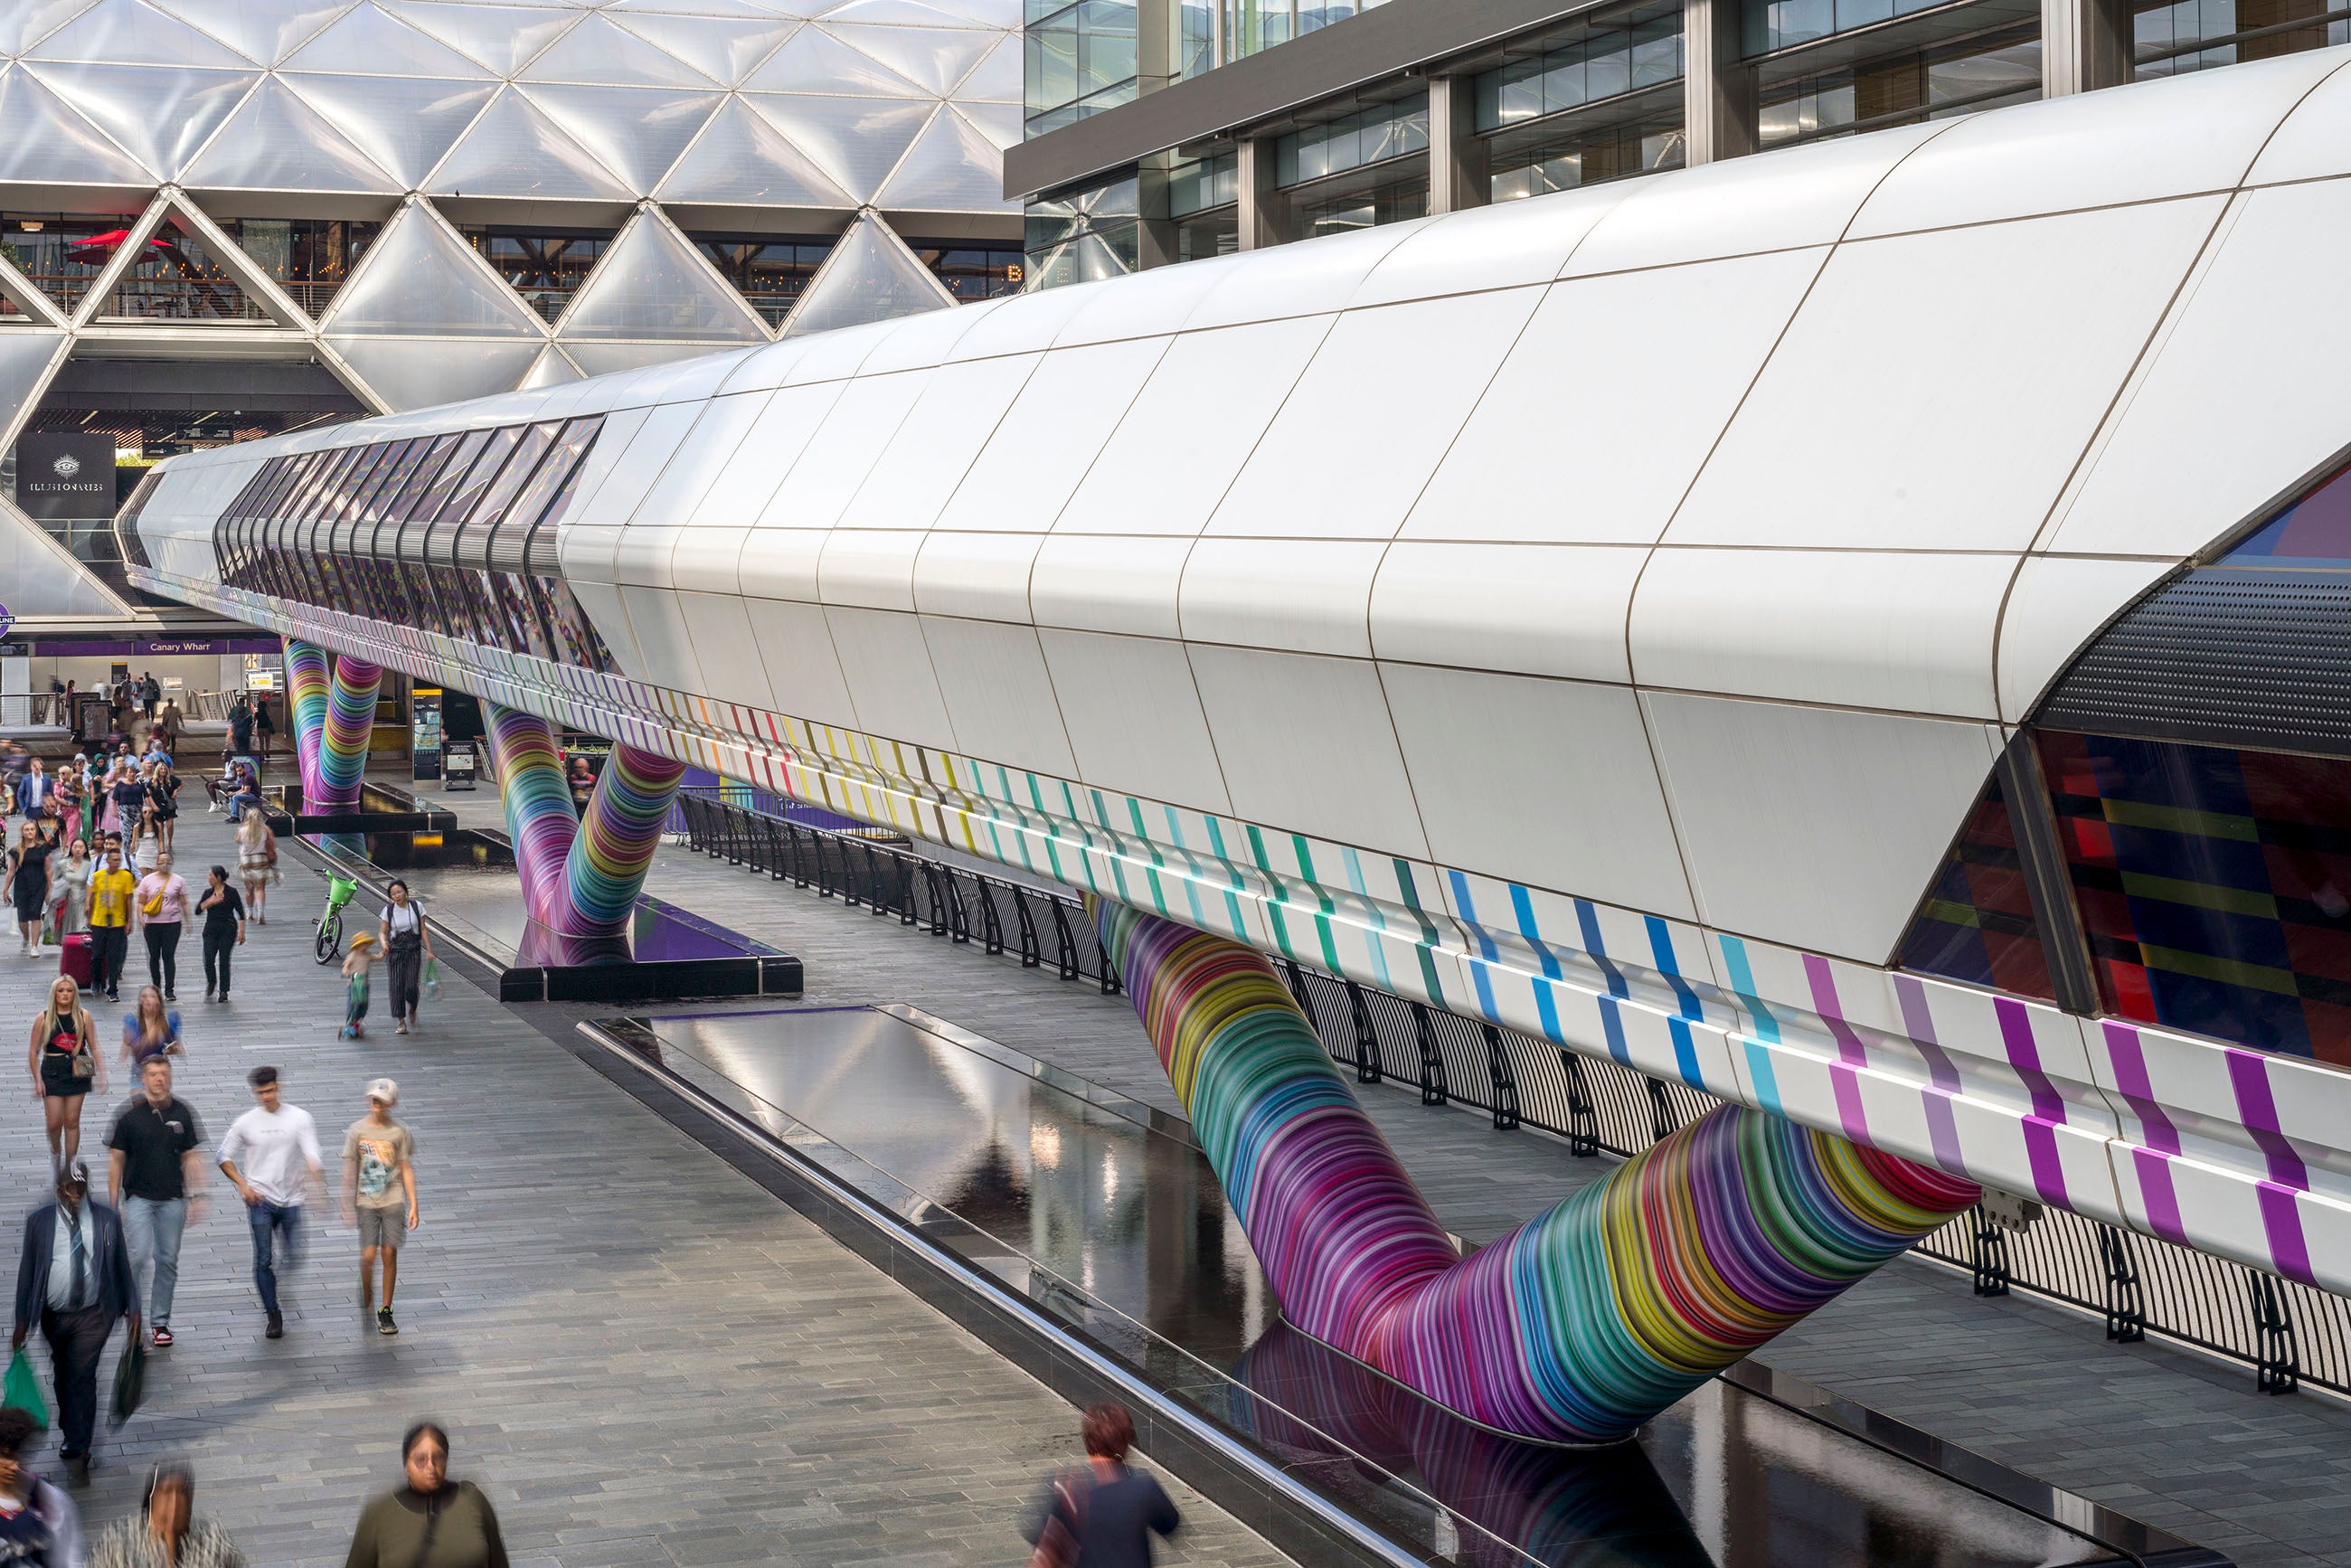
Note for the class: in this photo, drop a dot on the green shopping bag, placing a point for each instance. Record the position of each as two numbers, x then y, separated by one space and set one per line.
23 1391
433 980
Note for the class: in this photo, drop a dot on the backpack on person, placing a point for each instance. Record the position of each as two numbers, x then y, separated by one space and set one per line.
1058 1544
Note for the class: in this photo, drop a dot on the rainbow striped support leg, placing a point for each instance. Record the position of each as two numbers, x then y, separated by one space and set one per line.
342 750
580 877
1581 1324
306 709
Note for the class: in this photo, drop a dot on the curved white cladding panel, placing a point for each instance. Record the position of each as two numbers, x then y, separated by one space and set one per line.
1595 614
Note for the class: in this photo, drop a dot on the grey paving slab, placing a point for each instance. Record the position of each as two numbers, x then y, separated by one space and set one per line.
2180 1440
644 1357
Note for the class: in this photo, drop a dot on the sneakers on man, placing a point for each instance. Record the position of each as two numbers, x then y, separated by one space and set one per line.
162 1336
384 1323
277 1326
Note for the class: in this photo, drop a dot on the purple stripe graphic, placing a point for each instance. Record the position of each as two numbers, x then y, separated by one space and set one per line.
2048 1106
2257 1108
2282 1219
1942 1128
1851 1115
2152 1162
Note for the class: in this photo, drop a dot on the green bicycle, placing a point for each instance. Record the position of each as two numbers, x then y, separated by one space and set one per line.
341 891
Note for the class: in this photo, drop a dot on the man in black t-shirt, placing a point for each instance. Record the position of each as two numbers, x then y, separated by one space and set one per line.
152 1173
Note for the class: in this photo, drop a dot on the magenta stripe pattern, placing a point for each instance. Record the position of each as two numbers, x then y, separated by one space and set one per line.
343 745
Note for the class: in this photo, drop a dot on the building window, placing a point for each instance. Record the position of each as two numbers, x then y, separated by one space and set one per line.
769 272
1776 24
1624 52
310 257
1078 236
1396 203
974 271
1904 88
1080 60
1212 33
2197 35
1977 924
546 266
62 253
1587 155
1378 133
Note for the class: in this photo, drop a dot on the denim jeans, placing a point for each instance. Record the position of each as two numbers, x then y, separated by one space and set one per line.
152 1229
271 1221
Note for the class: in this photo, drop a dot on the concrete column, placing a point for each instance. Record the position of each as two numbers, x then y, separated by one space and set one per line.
1266 215
1575 1328
1719 98
2085 45
1157 243
1459 173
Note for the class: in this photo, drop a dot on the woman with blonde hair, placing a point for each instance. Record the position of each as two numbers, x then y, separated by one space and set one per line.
65 1063
150 1029
257 861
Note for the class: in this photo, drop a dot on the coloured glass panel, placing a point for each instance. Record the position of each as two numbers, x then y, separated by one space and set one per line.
1977 924
2214 885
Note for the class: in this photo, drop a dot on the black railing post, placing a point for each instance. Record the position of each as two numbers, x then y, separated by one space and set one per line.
2126 1303
991 924
1505 1082
1662 1120
1582 1123
958 918
1367 1039
1296 981
938 919
799 870
1032 952
1066 944
2277 1365
1432 1087
1112 982
1990 1270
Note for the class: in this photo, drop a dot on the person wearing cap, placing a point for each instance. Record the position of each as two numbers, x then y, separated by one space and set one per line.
73 1278
355 988
379 1194
278 1144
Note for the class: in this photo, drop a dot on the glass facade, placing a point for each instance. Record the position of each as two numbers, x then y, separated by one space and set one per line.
1078 236
1080 60
974 271
1904 88
310 257
1615 55
546 266
1377 133
2197 35
1212 33
768 272
452 533
1775 25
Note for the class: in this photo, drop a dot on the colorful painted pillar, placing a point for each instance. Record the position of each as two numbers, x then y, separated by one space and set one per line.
306 709
580 875
342 747
1581 1324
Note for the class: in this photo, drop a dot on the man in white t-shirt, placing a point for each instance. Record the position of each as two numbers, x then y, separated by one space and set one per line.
278 1146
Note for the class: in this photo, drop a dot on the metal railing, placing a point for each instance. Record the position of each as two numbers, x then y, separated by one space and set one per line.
2290 1333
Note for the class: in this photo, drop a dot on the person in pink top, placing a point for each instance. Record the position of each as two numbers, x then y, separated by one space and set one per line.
161 907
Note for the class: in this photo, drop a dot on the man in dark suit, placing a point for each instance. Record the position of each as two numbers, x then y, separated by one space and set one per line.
74 1279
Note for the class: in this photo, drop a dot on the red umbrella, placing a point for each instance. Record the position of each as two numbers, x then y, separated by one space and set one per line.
109 239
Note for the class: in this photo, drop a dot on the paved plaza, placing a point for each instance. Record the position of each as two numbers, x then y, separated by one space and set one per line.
641 1356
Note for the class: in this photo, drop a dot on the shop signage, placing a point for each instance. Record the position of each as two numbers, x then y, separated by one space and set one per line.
64 473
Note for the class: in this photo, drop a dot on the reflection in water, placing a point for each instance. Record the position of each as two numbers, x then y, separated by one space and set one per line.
1114 1223
1556 1506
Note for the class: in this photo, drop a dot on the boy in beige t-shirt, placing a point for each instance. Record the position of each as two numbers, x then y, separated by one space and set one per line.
379 1194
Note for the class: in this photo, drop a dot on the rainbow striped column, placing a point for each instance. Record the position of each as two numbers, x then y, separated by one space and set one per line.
1581 1324
306 708
581 878
614 849
342 751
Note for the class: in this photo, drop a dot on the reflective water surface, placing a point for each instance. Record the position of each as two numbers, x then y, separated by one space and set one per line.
1104 1211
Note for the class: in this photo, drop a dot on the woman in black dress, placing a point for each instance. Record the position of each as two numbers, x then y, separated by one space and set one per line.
27 885
406 945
